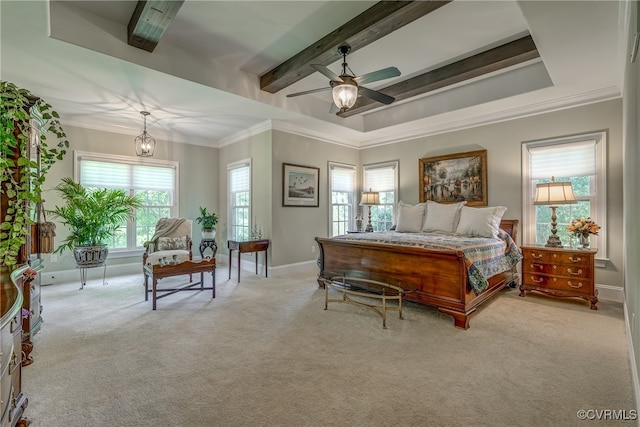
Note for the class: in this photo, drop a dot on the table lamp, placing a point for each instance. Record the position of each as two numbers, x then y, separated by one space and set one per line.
370 198
554 193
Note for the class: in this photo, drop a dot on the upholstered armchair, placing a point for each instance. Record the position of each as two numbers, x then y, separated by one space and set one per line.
172 237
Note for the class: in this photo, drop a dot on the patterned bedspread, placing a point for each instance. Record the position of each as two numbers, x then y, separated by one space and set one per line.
484 257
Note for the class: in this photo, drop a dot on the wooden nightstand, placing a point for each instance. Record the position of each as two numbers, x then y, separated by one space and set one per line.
559 272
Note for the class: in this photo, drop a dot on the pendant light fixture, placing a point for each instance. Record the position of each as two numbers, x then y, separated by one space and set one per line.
145 143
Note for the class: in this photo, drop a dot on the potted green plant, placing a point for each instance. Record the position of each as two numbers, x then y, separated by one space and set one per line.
93 216
25 121
208 221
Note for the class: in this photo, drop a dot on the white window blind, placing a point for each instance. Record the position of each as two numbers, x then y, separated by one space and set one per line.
239 179
571 159
105 174
342 178
380 178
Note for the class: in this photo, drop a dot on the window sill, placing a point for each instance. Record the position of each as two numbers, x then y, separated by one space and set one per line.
601 262
123 253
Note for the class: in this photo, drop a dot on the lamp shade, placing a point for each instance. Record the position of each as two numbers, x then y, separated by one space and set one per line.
370 198
554 193
345 94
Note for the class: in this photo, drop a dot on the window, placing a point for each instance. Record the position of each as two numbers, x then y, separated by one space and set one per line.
342 193
239 179
155 181
383 178
578 159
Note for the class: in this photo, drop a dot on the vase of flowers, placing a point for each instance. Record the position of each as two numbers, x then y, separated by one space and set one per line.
582 228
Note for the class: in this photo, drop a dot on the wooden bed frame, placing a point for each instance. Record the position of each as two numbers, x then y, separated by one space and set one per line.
440 277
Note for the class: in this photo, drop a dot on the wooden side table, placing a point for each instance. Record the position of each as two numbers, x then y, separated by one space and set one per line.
559 272
246 247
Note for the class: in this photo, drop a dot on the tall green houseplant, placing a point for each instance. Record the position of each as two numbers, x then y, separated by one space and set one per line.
92 215
25 122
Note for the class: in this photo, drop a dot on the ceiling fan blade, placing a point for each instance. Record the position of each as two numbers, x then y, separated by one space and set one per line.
327 72
375 95
308 91
374 76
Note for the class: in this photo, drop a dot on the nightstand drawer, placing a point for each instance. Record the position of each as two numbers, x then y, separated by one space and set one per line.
557 269
537 255
559 283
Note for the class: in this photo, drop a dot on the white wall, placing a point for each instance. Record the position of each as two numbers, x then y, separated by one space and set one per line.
257 148
294 227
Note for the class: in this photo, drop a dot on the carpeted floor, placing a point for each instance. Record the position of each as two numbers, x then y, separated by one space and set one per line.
265 353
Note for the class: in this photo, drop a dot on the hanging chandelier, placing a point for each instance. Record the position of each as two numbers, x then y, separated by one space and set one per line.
145 143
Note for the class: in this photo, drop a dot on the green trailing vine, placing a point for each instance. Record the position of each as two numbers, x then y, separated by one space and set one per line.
18 109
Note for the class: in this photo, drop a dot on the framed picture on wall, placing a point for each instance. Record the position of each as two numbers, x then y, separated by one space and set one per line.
454 178
300 185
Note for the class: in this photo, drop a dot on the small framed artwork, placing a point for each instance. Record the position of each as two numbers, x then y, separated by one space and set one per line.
454 178
300 185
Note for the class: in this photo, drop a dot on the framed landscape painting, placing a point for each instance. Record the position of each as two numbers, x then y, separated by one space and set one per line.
454 178
300 185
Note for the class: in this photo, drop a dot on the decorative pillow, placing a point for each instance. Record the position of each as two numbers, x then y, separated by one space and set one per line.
480 222
442 217
410 217
172 243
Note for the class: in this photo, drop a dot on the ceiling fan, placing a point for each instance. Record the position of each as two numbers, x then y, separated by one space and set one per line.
346 87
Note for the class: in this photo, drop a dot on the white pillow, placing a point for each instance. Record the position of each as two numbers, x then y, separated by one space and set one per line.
480 222
442 217
172 243
410 217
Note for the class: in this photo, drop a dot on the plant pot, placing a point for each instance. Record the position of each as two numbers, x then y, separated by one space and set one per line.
90 256
208 234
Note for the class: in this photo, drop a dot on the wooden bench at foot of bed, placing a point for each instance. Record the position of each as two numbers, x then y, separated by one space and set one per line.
440 277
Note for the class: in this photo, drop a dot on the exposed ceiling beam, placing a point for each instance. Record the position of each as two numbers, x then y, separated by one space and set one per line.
149 21
498 58
374 23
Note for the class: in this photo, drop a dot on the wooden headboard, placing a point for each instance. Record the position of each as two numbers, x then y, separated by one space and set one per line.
511 227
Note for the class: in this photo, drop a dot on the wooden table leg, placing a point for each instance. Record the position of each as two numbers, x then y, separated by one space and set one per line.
202 281
257 262
266 263
213 282
155 287
146 286
239 253
230 262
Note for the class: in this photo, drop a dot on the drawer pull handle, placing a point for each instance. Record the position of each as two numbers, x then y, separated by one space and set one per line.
579 285
539 266
540 280
535 255
576 259
579 272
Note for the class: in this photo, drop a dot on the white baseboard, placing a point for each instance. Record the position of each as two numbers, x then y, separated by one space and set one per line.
635 381
610 293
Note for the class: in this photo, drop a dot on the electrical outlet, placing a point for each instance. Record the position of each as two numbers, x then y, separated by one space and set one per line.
313 249
54 258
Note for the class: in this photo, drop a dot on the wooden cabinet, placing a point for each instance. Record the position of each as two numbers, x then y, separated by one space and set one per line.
12 401
31 309
559 272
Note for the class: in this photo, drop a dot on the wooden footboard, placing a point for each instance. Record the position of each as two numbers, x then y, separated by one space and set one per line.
439 277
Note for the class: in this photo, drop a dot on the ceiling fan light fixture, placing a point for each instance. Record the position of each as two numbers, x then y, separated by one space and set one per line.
345 95
145 143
